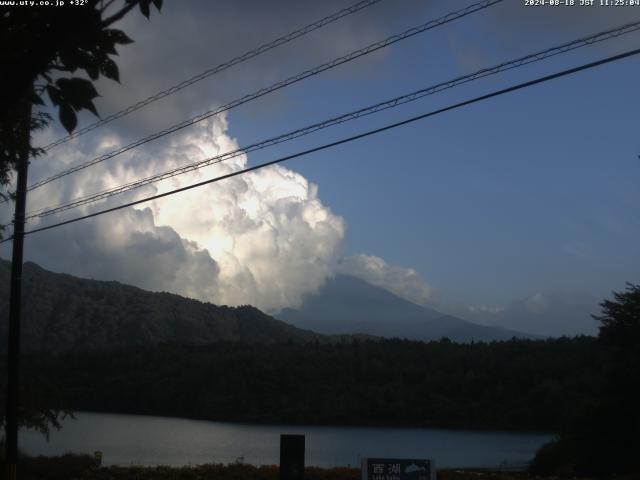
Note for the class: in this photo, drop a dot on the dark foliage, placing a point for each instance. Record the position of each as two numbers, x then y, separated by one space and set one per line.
38 47
603 437
511 385
63 467
620 321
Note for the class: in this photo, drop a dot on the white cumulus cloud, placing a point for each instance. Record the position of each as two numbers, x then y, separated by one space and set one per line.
263 238
404 282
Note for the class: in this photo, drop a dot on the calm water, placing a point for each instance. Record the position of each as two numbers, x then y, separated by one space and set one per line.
143 440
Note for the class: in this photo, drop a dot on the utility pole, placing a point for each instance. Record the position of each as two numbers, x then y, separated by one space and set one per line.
13 352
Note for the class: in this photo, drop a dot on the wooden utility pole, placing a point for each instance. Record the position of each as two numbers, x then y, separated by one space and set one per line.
13 352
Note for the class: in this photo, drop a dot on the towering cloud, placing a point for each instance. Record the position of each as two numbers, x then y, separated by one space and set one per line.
264 238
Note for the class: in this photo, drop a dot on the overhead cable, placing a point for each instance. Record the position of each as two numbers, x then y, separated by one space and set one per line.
276 86
387 104
223 66
368 133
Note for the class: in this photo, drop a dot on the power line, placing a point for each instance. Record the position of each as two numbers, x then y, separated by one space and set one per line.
294 79
368 133
223 66
387 104
276 86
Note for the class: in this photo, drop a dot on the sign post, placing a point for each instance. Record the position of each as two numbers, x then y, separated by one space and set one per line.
291 457
398 469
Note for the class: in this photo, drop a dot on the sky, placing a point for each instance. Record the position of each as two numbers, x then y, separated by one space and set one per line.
520 211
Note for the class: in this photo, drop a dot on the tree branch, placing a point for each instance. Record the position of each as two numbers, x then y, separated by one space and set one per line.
118 15
105 7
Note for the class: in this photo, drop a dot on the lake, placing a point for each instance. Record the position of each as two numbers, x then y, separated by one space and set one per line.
146 440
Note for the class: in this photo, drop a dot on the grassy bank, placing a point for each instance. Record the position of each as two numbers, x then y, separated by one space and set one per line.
83 467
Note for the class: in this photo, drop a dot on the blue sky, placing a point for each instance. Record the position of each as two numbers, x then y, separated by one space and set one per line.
487 207
533 191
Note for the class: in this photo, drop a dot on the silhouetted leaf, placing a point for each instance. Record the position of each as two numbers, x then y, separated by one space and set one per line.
68 117
77 91
84 60
144 7
92 108
54 94
110 70
117 36
107 46
69 58
36 100
78 94
93 71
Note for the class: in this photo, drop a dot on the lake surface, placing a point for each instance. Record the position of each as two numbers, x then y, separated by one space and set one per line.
145 440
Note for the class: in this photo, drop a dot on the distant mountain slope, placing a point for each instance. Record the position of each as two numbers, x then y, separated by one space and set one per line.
347 304
62 312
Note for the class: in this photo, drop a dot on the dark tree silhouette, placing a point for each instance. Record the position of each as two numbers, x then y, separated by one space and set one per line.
604 439
619 410
39 48
620 319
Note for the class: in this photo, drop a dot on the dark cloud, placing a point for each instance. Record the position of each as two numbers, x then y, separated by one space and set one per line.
131 248
190 37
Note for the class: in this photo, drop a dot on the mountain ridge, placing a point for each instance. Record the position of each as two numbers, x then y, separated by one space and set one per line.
347 304
62 312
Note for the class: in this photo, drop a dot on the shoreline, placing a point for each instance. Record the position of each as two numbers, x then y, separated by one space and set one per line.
386 426
86 467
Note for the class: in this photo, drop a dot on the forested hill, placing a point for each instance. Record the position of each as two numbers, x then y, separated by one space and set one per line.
62 312
520 384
